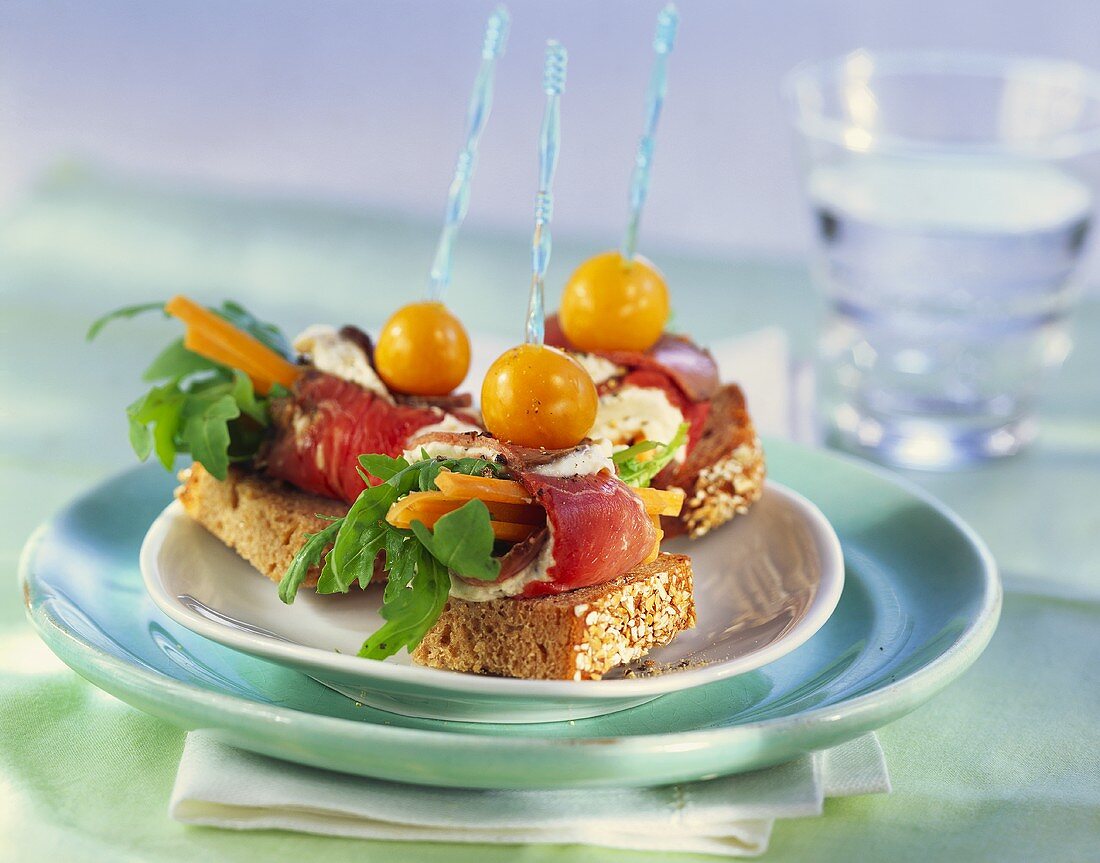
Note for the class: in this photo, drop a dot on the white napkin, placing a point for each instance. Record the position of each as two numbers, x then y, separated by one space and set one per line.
220 786
730 816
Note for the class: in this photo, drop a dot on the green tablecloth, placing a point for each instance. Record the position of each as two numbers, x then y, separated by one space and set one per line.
1003 765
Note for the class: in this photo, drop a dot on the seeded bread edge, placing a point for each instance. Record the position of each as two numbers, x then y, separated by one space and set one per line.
724 473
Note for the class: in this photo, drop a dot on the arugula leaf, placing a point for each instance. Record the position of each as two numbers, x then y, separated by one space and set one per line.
417 562
625 455
411 608
267 333
199 407
158 414
233 312
141 438
361 539
400 561
365 531
462 541
175 361
244 394
118 314
308 556
205 429
382 466
640 473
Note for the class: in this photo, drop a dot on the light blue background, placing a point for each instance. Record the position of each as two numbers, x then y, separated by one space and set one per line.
363 101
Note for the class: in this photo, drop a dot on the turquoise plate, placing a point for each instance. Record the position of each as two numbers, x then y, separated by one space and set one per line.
921 600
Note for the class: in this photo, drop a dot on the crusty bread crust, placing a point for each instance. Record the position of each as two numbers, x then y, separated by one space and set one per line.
724 474
264 520
578 635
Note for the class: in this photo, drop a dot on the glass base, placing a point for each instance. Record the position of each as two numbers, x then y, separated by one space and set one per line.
925 444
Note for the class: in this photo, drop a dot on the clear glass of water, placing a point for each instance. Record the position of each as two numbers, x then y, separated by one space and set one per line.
952 198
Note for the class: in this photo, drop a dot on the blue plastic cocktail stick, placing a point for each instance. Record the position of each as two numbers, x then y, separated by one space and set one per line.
477 114
553 83
663 42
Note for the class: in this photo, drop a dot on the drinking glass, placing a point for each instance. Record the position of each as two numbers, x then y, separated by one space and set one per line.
952 198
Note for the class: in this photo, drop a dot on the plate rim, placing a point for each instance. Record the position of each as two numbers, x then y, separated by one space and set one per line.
320 661
914 687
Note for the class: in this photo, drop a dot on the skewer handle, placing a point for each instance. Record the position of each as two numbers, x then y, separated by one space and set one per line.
663 42
553 83
477 114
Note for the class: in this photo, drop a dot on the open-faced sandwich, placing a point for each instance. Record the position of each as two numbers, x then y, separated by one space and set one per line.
499 558
656 385
522 542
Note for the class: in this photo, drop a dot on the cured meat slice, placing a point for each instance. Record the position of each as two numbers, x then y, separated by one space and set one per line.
691 367
521 555
327 423
599 526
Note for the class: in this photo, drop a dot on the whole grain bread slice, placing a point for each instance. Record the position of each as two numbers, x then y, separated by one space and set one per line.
578 635
264 520
724 473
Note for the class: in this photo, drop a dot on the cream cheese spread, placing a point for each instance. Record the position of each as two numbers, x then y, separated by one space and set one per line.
537 570
598 368
441 449
631 414
330 352
585 459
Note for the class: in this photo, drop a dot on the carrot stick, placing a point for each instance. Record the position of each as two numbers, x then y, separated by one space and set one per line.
504 530
652 556
662 501
248 354
233 346
198 342
659 501
423 505
482 487
510 522
509 532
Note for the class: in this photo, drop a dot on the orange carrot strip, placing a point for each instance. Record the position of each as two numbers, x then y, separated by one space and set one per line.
243 352
508 532
660 501
503 530
253 357
425 505
483 487
520 513
652 556
198 342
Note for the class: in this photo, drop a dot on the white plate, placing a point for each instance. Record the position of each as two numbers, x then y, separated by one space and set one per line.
764 583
